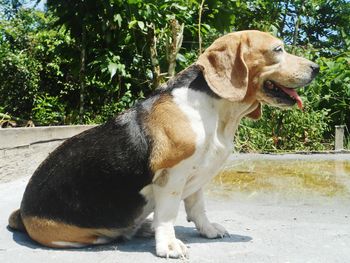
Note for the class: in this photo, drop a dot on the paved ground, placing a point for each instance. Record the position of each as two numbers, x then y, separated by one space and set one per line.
263 227
22 161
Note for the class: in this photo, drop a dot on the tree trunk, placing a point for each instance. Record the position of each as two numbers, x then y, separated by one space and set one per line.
282 24
82 73
295 33
174 45
199 27
154 55
297 25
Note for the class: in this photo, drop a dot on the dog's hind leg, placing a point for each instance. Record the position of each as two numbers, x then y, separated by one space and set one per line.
56 234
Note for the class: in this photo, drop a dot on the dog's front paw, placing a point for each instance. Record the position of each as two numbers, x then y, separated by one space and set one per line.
173 248
213 230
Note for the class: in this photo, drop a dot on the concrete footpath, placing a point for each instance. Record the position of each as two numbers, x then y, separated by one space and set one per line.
263 226
260 232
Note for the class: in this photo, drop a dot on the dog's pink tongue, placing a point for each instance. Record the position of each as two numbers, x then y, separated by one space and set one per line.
294 94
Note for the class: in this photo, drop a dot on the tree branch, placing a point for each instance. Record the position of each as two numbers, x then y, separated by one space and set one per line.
199 26
175 45
154 54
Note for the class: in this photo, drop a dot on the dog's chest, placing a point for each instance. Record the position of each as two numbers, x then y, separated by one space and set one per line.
214 139
205 164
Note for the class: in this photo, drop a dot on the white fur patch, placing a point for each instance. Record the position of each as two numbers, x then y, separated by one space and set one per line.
102 240
68 244
214 122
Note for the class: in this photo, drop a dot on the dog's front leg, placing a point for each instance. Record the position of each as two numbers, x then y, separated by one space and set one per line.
167 195
194 205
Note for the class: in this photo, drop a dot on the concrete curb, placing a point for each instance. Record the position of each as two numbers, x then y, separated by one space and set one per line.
19 137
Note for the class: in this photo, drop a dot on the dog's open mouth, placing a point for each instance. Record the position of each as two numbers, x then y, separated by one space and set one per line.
282 94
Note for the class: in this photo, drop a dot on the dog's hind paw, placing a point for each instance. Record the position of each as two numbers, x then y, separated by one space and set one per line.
146 229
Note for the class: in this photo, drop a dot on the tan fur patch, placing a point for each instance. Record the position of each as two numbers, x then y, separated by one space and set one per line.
173 137
224 67
46 231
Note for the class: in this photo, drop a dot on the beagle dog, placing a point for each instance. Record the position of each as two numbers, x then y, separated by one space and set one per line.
103 183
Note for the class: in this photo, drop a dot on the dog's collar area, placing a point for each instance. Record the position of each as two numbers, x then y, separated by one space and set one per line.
282 94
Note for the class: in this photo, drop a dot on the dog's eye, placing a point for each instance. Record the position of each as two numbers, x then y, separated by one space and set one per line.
278 49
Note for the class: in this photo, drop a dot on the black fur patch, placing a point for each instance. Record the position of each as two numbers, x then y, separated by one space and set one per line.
200 84
94 178
192 78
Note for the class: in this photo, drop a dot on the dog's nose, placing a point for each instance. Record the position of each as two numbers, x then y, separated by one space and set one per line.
315 69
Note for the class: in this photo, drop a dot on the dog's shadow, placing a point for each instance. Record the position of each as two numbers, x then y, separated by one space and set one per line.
188 235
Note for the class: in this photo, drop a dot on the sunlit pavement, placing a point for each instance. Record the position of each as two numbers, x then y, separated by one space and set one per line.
285 217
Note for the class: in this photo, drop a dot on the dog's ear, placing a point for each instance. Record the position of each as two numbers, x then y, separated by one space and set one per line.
224 68
255 114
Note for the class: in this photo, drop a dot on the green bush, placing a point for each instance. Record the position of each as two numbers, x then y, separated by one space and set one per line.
331 90
20 77
284 130
109 110
34 59
48 110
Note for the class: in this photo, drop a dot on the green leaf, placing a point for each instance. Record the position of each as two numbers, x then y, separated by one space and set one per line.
134 1
112 68
179 7
118 19
141 24
181 58
132 24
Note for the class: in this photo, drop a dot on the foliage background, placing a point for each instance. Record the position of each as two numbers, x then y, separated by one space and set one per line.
85 61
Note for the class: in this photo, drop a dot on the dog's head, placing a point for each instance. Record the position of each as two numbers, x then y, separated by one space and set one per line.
253 66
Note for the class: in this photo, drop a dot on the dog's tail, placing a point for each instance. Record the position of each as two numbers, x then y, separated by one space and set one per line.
16 222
